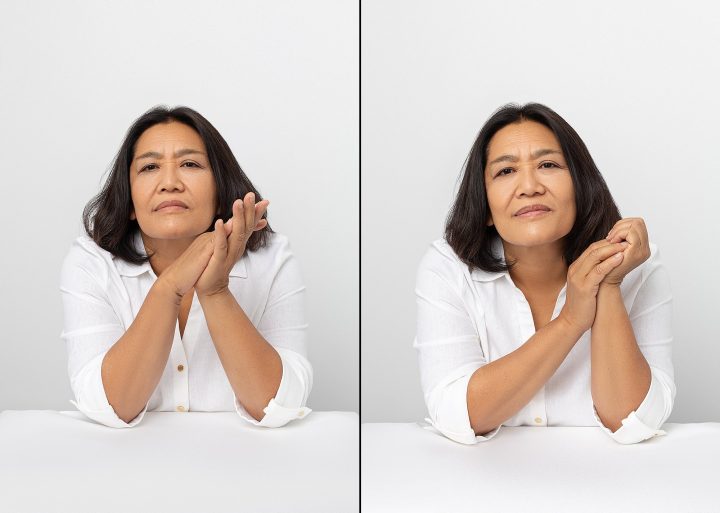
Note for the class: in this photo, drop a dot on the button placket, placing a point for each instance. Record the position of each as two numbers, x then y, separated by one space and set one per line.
539 408
179 373
536 408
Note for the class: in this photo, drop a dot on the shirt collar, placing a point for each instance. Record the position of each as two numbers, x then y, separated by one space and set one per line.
125 268
486 276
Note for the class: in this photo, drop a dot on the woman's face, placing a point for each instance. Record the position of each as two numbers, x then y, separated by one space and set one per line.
529 187
171 183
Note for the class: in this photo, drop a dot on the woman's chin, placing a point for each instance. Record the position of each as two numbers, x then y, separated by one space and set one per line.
173 233
533 240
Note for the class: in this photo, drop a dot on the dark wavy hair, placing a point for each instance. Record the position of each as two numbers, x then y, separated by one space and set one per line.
466 227
106 217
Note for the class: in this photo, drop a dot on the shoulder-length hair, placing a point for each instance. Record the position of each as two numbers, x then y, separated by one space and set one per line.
106 217
466 227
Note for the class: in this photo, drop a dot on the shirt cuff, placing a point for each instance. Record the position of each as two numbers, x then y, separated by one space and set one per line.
288 403
451 417
644 423
91 399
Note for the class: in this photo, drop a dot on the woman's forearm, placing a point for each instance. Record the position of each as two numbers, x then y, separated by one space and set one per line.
133 366
498 390
252 365
620 374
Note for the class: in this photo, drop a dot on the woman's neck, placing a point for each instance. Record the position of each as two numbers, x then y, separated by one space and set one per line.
164 251
537 268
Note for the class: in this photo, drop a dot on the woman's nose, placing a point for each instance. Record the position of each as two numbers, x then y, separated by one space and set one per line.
529 183
170 178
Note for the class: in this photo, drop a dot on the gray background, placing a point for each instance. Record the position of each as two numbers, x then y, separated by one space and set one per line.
279 80
639 81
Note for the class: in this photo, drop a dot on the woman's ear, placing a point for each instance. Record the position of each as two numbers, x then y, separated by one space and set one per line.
133 217
490 220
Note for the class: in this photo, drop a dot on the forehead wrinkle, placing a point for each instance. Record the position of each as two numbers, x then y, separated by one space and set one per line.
178 154
545 151
536 154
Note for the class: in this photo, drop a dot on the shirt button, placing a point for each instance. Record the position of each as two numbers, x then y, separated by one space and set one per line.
538 420
181 367
301 414
181 408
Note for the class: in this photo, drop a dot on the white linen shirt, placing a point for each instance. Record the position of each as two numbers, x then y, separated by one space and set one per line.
102 295
468 319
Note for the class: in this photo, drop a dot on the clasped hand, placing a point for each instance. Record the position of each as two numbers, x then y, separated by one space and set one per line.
603 263
206 263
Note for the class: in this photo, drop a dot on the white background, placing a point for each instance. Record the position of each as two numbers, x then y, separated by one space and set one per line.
279 80
639 81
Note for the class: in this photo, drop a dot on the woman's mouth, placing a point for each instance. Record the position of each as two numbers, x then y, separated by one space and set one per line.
533 211
171 206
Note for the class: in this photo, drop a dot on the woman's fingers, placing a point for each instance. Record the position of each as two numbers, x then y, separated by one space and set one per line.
623 227
603 268
219 240
238 224
228 227
246 219
595 254
248 205
261 208
617 226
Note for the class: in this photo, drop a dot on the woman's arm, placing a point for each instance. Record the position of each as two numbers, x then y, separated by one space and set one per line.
631 363
133 366
620 375
251 364
501 388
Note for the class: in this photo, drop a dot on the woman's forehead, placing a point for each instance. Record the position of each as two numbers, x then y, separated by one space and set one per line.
165 138
521 138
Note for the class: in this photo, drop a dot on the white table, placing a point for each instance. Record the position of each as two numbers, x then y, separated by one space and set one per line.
406 467
177 462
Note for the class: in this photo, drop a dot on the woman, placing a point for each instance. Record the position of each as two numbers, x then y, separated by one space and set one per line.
170 308
542 306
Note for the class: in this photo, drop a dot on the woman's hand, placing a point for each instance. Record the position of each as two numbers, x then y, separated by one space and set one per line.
181 275
633 231
228 241
583 281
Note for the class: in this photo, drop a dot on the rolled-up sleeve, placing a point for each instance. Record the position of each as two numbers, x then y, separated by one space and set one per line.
651 319
90 329
448 346
284 326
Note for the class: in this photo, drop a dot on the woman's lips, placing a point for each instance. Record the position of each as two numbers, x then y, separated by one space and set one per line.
172 208
533 211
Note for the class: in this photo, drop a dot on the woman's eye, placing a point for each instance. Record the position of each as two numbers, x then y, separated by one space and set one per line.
504 171
548 165
147 168
193 164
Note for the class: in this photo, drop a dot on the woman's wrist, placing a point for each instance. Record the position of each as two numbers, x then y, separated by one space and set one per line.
218 294
607 289
166 290
570 328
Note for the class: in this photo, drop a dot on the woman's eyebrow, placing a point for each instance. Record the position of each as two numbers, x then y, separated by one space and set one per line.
545 151
178 154
535 155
